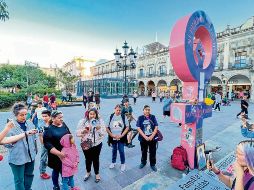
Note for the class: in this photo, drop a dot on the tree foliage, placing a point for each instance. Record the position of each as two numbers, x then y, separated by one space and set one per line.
24 76
4 14
67 79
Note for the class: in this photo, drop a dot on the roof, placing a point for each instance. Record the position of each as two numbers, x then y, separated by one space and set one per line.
154 47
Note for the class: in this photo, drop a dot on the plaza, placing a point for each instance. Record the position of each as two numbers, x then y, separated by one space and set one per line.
222 129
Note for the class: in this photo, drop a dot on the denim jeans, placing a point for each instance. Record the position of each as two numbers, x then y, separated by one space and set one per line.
55 176
44 159
23 175
120 146
67 181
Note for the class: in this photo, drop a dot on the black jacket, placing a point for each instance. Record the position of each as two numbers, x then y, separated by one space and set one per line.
51 139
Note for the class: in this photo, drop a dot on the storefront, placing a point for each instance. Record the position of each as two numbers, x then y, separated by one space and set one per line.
106 87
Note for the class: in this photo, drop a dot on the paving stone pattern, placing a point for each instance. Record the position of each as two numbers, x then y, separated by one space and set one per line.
221 129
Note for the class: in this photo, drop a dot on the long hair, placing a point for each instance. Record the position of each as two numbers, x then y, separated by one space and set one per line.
95 111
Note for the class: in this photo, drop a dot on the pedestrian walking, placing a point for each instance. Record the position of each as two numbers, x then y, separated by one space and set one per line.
44 153
51 139
161 95
244 107
64 96
22 152
135 96
92 131
97 100
90 96
69 162
53 102
38 114
69 96
84 99
167 101
45 100
154 95
117 130
217 101
29 100
147 127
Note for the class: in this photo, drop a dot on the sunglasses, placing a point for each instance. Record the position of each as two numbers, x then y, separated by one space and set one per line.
55 113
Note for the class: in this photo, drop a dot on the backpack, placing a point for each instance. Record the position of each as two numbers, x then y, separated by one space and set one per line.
123 139
179 158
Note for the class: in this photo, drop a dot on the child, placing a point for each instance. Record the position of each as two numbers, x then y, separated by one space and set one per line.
44 153
247 129
69 162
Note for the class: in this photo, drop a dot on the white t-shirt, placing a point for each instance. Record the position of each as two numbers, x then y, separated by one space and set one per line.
116 125
39 112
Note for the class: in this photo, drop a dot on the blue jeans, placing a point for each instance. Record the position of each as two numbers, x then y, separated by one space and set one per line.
67 181
120 146
55 176
23 175
43 160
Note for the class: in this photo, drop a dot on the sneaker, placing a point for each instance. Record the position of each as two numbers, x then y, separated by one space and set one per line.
130 146
112 165
45 176
123 167
154 168
141 166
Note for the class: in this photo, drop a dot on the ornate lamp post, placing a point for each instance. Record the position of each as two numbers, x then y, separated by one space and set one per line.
224 85
121 62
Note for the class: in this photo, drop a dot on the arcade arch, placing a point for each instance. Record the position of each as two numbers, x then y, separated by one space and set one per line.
141 88
240 85
150 87
162 86
175 86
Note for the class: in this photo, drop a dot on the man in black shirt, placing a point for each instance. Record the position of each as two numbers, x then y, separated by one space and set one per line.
244 107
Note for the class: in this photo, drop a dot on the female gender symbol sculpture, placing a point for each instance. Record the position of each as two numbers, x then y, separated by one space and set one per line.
193 52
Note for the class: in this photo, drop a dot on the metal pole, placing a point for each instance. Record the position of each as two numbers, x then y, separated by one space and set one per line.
125 81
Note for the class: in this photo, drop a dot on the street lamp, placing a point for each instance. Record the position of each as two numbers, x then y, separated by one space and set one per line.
121 62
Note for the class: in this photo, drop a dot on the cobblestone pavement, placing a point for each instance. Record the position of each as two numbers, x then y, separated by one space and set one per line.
222 129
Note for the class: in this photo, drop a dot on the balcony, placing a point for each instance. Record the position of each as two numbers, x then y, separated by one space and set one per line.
244 65
162 74
150 75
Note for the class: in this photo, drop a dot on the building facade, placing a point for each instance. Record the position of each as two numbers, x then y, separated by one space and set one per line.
108 80
154 72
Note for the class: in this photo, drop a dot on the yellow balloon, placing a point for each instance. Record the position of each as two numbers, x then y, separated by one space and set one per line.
208 101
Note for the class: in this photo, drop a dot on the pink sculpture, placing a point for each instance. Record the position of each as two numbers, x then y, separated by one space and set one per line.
193 51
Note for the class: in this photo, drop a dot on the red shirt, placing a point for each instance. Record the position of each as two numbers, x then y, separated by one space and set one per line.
45 98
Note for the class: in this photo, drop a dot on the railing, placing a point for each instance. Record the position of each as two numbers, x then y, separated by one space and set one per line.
150 75
237 66
163 74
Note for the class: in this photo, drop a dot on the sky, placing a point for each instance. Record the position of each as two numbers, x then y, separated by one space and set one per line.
51 32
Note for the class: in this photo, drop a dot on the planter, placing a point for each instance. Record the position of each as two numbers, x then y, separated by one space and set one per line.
69 105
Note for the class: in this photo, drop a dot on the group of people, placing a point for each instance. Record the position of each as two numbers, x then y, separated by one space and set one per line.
48 101
66 94
59 150
91 97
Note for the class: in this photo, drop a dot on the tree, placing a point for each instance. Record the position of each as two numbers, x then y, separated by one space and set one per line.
24 76
67 79
4 14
